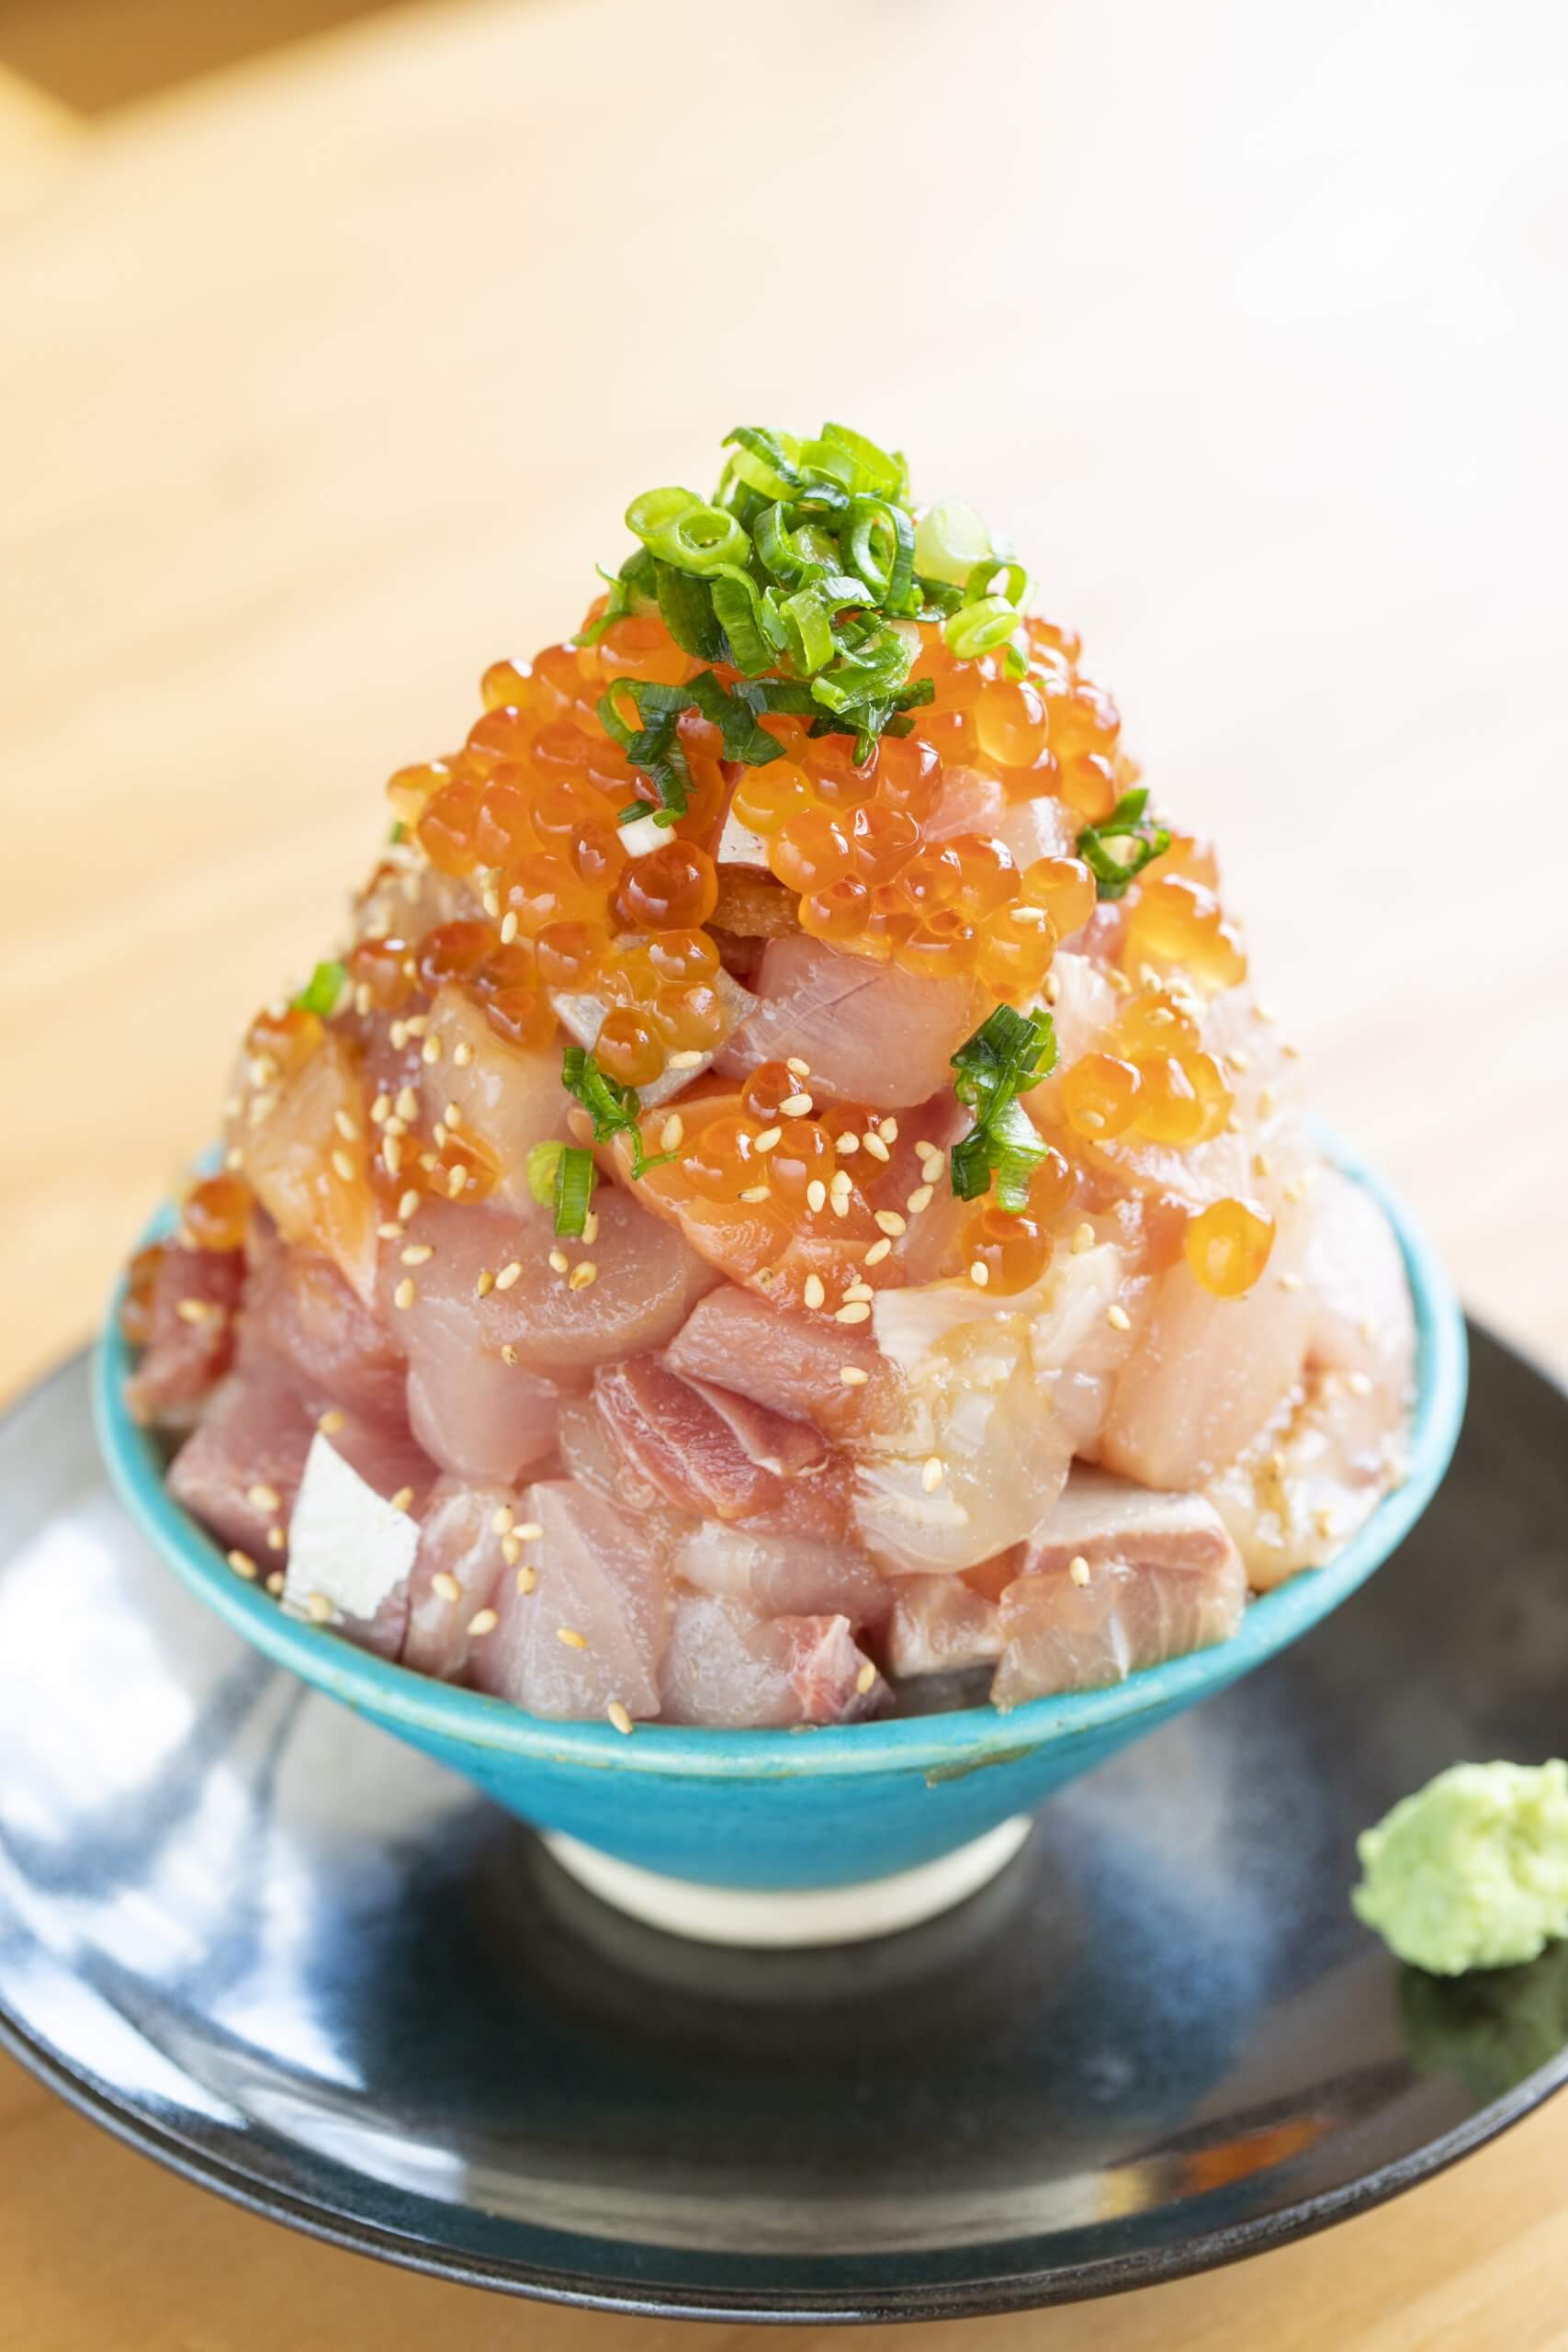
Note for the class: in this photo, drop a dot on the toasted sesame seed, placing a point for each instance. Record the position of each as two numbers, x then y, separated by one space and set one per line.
979 1273
241 1564
275 1582
446 1586
407 1204
848 1144
394 1127
558 1261
528 1531
362 998
1118 1318
526 1578
1358 1383
890 1221
332 1421
509 927
509 1273
233 1158
1291 1053
1077 1569
399 1036
817 1195
769 1140
510 1547
1267 1101
347 1128
590 1226
196 1310
919 1199
407 1103
456 1182
795 1106
483 1621
1289 1282
619 1717
502 1519
874 1145
813 1292
489 899
275 1539
418 1253
796 1067
877 1251
887 1129
402 1499
391 1155
390 1231
319 1609
430 1052
672 1133
857 1311
453 1115
1261 1164
264 1497
462 1053
418 1023
582 1273
1083 1237
1239 1060
1323 1522
859 1290
687 1060
405 1294
854 1376
1296 1190
573 1640
379 1108
933 1474
1265 1011
865 1678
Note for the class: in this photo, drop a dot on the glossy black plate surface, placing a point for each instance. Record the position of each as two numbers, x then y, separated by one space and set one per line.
296 1962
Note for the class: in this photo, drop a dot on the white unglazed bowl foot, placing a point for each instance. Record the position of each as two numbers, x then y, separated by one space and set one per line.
765 1920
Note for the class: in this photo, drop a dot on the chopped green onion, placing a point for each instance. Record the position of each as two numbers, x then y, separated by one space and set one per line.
1113 870
615 1109
543 1161
323 990
766 462
679 528
981 581
1008 1054
573 1188
685 606
397 834
746 614
975 628
950 539
806 611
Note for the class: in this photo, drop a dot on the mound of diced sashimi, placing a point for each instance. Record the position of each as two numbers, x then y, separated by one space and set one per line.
786 1187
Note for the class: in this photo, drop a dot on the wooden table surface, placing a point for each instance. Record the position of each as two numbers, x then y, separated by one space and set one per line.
323 380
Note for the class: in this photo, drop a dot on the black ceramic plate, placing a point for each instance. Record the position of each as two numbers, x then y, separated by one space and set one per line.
301 1965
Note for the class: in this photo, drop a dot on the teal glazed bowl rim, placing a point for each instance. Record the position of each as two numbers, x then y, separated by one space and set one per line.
953 1742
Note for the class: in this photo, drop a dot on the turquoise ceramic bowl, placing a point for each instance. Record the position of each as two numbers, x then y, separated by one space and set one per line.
798 1810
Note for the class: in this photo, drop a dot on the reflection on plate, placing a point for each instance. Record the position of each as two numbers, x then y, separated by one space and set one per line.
303 1965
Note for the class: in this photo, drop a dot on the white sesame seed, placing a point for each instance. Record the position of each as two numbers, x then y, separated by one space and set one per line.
405 1294
856 1312
379 1108
890 1221
391 1155
402 1499
362 998
439 1133
394 1127
241 1564
796 1067
196 1310
407 1204
1323 1523
453 1115
1118 1318
1083 1237
430 1051
795 1106
874 1145
483 1621
418 1253
319 1609
529 1531
462 1053
1267 1101
813 1294
859 1290
979 1273
446 1586
418 1023
489 899
347 1128
502 1519
1077 1569
1358 1383
919 1200
1296 1190
582 1273
619 1717
687 1060
1289 1282
769 1140
399 1036
509 1275
854 1376
817 1195
456 1181
407 1103
508 1352
887 1129
865 1678
558 1261
672 1133
275 1539
264 1498
848 1144
933 1475
573 1640
274 1582
510 1547
1261 1164
509 927
331 1422
877 1251
757 1193
590 1226
390 1231
526 1578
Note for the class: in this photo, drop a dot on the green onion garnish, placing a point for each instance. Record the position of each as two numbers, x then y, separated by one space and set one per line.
796 573
398 831
1126 822
1007 1055
561 1176
615 1109
543 1161
323 990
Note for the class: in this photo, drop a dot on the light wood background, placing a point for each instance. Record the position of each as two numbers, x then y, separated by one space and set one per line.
324 379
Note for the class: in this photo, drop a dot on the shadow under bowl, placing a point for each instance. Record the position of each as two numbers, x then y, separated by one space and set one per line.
781 1812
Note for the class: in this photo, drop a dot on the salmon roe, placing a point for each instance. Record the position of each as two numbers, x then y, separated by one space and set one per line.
217 1214
1228 1246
